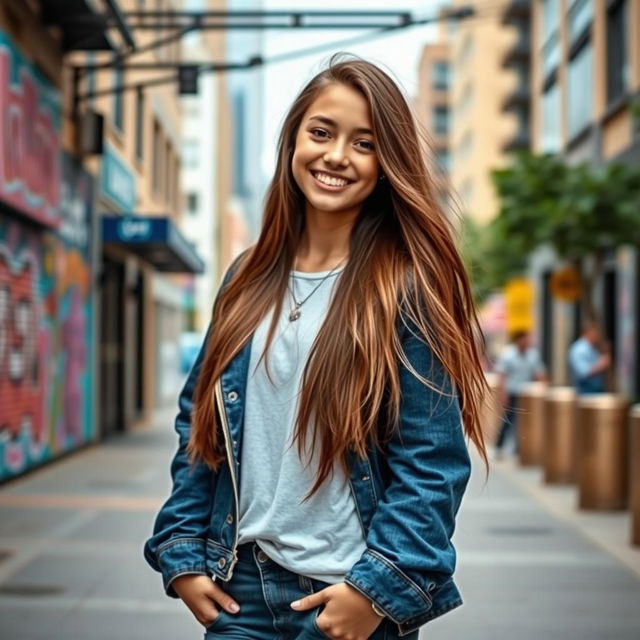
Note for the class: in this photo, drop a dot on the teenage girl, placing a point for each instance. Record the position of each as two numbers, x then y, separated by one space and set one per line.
322 454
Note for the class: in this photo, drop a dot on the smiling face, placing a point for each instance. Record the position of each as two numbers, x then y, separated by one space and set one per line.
335 163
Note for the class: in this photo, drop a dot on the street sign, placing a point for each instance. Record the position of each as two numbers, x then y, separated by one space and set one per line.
565 284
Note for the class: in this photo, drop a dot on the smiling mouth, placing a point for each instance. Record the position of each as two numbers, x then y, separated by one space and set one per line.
331 182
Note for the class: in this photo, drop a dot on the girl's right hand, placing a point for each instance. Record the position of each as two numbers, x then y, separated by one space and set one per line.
204 597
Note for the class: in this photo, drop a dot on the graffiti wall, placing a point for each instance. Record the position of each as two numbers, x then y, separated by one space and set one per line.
46 331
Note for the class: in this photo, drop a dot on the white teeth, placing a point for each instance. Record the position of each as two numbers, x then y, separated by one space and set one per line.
330 180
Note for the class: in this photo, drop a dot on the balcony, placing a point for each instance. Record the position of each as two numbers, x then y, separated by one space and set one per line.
520 97
518 53
516 11
520 141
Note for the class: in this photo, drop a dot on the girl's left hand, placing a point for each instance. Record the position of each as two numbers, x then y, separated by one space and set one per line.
347 614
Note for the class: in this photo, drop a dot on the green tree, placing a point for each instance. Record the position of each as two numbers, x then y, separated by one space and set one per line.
579 210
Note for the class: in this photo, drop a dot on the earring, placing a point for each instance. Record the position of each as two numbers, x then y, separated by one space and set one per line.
382 177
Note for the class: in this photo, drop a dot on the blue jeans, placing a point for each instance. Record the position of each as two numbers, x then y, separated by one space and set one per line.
265 590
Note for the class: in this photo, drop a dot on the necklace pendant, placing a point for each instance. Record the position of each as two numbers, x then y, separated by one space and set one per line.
295 314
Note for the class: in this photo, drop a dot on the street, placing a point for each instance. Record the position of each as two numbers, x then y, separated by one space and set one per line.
71 565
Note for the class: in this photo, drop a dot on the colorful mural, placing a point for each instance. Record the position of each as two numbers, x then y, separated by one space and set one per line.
30 161
46 331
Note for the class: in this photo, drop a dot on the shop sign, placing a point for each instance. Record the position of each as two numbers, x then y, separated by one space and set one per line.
30 159
519 305
117 181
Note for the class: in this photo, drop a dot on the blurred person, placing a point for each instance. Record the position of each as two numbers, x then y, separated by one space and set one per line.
589 360
519 364
322 454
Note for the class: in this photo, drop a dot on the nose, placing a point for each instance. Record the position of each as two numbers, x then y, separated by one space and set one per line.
336 155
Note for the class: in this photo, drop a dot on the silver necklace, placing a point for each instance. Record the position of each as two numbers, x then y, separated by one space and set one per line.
295 313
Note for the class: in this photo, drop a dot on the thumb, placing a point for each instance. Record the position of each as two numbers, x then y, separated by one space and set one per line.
312 601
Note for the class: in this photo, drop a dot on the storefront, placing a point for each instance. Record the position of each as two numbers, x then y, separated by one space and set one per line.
142 313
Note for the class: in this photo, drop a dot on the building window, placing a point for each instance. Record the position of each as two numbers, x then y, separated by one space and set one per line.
140 124
190 151
156 169
118 99
440 75
550 139
192 202
549 36
617 60
580 17
580 90
441 119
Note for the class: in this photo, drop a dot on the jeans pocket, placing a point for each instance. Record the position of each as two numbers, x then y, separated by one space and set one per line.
314 623
217 621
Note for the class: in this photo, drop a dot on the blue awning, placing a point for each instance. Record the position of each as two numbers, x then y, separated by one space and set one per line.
155 239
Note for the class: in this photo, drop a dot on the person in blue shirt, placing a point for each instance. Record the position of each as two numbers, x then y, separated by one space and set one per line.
589 361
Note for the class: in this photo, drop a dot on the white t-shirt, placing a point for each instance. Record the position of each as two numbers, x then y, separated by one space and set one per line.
321 538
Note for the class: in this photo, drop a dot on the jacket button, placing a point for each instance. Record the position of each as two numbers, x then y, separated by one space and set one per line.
232 396
221 563
229 519
364 478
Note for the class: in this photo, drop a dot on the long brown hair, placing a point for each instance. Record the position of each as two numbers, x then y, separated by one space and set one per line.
402 256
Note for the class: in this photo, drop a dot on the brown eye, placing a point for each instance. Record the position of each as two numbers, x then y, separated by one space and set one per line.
366 144
320 133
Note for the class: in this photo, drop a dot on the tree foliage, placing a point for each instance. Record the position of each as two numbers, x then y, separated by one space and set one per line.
579 210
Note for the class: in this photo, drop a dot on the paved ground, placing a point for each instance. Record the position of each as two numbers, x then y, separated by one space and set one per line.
71 566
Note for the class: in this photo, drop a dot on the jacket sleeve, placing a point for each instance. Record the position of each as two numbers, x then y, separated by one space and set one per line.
178 543
407 567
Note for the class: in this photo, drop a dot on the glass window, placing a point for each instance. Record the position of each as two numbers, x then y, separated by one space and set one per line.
440 74
158 153
580 16
580 90
139 124
441 119
550 19
192 202
118 99
549 36
550 138
190 151
617 59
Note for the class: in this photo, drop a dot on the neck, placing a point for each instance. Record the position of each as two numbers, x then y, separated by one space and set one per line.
325 240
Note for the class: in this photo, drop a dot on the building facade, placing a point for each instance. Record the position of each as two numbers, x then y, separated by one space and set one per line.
585 62
94 270
482 131
432 109
47 253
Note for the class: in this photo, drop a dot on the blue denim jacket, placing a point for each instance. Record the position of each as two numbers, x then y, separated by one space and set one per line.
407 496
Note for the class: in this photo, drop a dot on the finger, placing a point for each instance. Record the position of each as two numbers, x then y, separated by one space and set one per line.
310 602
222 598
207 617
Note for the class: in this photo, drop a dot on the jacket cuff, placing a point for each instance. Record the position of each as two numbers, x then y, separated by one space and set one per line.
389 588
178 557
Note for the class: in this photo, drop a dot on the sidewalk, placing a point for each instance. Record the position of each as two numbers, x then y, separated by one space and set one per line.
71 564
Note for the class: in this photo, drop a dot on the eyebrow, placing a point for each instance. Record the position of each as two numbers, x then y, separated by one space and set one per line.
333 123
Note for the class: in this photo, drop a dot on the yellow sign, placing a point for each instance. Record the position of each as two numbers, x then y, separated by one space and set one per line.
565 284
518 295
